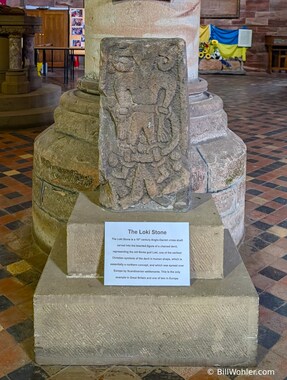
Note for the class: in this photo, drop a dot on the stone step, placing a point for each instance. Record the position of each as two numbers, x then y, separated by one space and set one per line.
47 95
32 117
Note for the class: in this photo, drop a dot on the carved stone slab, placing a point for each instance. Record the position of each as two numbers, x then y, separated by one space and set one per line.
143 137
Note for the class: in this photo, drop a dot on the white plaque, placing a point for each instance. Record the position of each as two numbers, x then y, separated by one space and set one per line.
147 254
245 38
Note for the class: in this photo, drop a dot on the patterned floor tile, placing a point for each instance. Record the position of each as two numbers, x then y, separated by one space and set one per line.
279 231
282 310
267 338
273 361
21 295
27 307
273 273
283 224
10 173
19 267
186 372
259 200
12 358
13 195
274 251
161 374
5 303
280 347
29 371
7 257
272 320
282 243
11 316
27 346
22 330
9 284
74 373
261 225
280 264
6 340
142 371
52 370
271 302
4 273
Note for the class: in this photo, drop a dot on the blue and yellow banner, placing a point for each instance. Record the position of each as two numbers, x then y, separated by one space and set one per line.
227 41
204 33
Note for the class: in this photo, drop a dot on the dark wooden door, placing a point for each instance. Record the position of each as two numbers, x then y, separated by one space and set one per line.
54 33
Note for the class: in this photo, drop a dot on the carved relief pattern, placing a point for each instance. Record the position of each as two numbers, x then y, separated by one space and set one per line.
15 52
11 30
6 30
144 124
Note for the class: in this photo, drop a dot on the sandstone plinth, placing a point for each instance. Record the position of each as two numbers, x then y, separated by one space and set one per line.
85 234
79 321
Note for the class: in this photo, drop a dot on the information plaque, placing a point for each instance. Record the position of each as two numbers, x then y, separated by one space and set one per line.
147 254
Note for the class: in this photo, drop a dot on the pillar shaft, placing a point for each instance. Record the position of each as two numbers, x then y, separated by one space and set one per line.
15 52
28 50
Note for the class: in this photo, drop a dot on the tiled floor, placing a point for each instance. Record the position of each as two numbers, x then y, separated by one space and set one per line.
257 111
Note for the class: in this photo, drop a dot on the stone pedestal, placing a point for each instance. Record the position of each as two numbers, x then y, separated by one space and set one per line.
23 103
15 83
79 321
32 109
148 163
85 235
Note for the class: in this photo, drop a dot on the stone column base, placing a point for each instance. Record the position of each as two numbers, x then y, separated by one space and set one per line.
15 83
66 159
2 76
34 79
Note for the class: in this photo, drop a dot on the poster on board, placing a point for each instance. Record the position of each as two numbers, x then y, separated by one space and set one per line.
77 28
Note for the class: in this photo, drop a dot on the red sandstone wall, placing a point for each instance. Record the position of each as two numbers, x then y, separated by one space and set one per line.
262 16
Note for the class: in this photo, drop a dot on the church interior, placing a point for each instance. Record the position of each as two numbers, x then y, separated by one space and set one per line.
249 77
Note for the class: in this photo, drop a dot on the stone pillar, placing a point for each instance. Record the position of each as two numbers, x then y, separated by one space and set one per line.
29 61
16 79
142 18
4 58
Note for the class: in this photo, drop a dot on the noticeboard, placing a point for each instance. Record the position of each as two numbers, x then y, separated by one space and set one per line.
77 27
220 8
